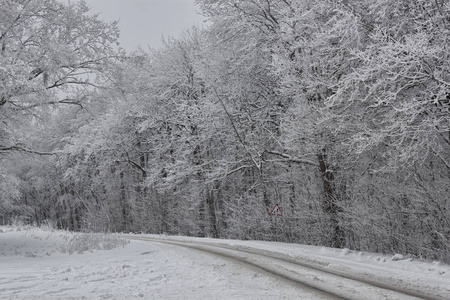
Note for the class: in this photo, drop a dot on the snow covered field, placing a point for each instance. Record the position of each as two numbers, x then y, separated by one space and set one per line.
47 264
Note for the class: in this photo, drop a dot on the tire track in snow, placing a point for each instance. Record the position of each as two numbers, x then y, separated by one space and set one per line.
283 276
331 284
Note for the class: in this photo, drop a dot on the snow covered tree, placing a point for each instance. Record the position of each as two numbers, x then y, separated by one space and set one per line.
393 110
305 61
50 52
368 85
338 111
399 90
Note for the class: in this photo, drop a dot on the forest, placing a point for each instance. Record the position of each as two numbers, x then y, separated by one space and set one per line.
336 110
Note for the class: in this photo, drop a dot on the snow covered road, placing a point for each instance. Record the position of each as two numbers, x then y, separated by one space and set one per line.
29 269
161 267
309 276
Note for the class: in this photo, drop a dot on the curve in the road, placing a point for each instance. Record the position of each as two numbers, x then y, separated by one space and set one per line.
272 272
241 256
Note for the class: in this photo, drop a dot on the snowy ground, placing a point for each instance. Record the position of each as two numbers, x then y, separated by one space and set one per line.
32 266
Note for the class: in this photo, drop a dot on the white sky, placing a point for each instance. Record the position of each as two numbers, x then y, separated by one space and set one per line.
144 22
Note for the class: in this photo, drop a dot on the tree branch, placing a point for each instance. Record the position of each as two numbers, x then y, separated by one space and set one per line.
289 158
21 149
144 173
63 101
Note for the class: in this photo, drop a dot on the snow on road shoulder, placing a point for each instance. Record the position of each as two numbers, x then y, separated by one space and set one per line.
31 242
430 277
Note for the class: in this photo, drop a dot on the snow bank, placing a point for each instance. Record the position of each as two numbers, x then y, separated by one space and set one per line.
30 241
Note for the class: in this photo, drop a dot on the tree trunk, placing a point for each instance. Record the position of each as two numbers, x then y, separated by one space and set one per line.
212 213
330 205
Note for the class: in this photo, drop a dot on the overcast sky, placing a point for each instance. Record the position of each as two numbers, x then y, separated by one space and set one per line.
144 22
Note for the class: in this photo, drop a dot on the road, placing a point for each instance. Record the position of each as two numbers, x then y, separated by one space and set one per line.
308 277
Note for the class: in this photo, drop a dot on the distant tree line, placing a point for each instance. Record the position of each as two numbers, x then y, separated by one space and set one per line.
337 111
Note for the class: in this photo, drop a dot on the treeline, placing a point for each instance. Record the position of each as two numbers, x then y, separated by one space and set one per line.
336 111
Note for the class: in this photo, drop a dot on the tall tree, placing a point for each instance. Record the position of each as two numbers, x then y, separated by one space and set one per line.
51 53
